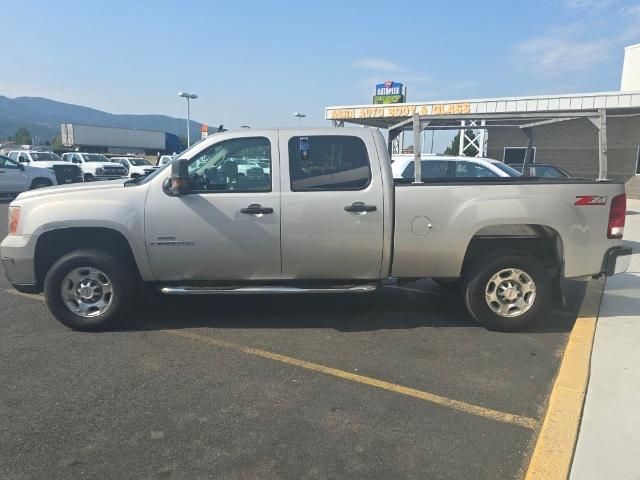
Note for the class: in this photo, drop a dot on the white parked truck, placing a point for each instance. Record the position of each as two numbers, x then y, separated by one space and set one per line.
95 166
17 177
328 217
136 167
64 172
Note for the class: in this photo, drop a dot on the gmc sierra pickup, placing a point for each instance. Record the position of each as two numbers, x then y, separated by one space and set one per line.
319 212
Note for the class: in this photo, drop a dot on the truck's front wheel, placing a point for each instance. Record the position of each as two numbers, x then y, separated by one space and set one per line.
507 292
89 290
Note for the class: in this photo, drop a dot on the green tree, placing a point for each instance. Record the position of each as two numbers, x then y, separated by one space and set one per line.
56 144
22 137
454 148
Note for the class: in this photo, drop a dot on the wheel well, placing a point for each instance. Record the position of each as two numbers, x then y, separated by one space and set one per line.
44 179
539 241
53 244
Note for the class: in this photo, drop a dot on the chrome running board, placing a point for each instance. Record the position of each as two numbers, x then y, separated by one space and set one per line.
365 288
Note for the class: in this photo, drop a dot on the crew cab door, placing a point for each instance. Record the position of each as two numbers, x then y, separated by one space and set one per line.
228 228
332 206
12 178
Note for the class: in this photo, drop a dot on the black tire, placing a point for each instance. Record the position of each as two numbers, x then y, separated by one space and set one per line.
40 183
88 177
122 280
477 281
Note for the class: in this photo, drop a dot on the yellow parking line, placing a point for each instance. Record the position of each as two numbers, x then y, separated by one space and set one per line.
554 449
27 295
469 408
429 397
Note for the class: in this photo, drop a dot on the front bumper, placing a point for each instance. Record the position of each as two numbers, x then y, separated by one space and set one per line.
17 255
616 260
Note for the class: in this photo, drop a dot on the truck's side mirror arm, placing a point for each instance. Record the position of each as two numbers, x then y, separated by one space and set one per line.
178 183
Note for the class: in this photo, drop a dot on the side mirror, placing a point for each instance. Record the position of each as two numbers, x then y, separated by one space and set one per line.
178 183
21 167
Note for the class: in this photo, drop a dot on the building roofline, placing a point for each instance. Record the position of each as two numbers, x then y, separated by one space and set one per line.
496 99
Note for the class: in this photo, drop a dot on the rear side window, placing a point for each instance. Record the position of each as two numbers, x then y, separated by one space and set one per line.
328 162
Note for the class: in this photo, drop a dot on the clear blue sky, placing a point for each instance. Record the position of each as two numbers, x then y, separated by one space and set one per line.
257 62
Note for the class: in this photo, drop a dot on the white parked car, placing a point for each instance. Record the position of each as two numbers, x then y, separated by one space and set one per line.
137 167
17 177
446 166
64 173
95 166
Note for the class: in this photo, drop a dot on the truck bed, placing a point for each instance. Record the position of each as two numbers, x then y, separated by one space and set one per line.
441 216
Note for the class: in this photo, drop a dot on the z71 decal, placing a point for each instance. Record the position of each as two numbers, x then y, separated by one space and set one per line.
590 200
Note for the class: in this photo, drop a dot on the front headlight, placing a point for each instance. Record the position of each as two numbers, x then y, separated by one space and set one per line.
99 171
14 218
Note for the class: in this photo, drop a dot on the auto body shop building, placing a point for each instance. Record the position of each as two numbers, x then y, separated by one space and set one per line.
595 135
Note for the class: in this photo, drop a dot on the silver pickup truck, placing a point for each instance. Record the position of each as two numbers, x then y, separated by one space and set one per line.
308 211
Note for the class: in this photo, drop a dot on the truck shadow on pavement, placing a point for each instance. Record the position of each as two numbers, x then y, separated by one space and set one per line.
387 309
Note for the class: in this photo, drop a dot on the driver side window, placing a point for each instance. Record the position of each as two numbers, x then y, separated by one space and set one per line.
236 165
7 163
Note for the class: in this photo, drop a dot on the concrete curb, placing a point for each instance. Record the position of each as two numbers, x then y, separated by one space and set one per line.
553 453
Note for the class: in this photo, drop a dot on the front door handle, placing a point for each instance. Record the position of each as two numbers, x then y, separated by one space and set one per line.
360 207
255 209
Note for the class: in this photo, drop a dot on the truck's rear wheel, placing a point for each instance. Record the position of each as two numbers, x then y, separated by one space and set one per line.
507 292
89 290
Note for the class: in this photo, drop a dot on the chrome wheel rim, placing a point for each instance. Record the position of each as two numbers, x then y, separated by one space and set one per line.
87 292
510 293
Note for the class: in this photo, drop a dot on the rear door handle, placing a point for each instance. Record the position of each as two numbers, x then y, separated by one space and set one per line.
360 207
255 209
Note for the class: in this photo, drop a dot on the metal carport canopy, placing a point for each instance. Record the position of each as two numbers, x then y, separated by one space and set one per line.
525 113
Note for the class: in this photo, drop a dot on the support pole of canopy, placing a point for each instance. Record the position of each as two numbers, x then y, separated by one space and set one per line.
461 138
417 149
527 156
602 144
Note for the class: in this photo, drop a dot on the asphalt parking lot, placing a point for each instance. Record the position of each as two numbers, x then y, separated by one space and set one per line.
398 384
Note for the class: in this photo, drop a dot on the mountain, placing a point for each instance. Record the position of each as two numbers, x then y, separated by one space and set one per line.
43 116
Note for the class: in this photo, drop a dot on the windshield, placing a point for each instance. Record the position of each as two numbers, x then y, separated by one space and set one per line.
45 157
146 178
512 172
94 157
156 172
138 162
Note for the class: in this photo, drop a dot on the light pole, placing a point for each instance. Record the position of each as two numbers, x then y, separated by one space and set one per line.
188 96
300 116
